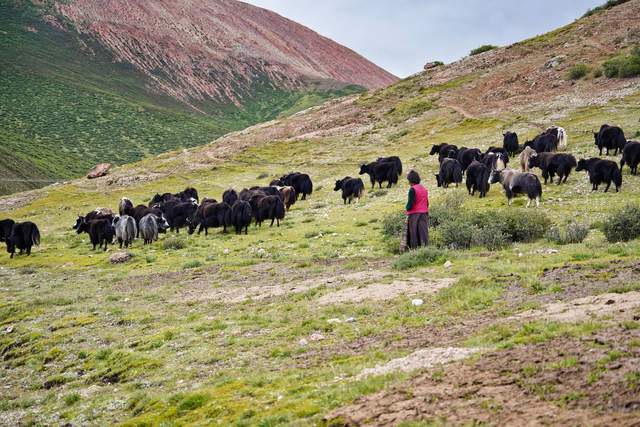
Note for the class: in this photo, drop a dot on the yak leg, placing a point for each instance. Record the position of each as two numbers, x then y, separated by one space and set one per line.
607 187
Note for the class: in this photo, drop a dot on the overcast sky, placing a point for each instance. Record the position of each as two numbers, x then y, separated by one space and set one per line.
402 35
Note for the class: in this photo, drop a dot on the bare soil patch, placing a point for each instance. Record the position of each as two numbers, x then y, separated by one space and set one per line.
420 359
382 292
528 385
617 305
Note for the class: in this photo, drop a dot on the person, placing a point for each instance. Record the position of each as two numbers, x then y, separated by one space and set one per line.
416 232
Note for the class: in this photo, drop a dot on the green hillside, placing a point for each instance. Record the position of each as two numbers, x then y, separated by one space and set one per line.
65 106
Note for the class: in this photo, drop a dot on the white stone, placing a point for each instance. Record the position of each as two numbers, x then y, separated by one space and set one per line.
417 302
448 264
334 320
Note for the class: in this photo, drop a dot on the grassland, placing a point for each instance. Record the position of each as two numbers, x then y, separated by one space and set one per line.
157 340
66 105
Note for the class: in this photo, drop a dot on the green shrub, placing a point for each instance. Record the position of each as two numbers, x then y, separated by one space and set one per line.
522 225
173 243
623 225
419 258
458 234
623 66
598 72
573 233
491 237
578 71
393 224
482 49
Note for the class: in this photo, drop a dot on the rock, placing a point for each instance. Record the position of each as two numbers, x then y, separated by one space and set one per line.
448 264
350 319
120 257
431 65
417 302
226 251
316 336
99 170
8 329
334 320
555 61
303 342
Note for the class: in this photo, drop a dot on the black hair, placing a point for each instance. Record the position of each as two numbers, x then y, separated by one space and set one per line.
413 177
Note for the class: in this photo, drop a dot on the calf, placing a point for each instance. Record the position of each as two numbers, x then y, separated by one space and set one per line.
380 172
126 230
241 216
515 183
631 156
466 156
478 175
510 143
352 188
552 163
450 172
288 195
23 236
267 207
5 229
525 155
495 161
610 138
213 215
125 207
393 159
601 172
149 227
444 151
229 196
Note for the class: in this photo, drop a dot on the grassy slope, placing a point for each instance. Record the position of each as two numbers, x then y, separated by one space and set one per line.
63 110
125 344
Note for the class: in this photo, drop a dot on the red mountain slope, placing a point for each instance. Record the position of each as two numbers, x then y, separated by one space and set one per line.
216 49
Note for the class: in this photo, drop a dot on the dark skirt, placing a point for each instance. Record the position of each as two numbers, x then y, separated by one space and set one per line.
416 232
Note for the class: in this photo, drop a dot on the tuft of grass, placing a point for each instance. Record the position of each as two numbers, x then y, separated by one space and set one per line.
578 71
419 258
192 264
71 399
173 243
573 233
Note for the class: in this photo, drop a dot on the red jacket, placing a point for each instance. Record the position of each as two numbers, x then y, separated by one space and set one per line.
421 202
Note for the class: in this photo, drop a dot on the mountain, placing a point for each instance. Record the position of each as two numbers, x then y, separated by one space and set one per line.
84 82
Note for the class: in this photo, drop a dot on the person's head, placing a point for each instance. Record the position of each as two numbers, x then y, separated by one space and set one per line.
413 177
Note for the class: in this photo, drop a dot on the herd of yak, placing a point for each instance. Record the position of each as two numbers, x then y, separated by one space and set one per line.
270 203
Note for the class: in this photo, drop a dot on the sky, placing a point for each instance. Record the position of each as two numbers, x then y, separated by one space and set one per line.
402 35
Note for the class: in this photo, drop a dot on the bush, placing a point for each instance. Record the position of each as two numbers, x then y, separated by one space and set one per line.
482 49
623 66
577 72
173 243
623 225
419 258
573 233
393 224
458 234
71 399
522 225
491 237
192 264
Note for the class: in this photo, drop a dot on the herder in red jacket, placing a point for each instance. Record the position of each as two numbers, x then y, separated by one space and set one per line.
417 228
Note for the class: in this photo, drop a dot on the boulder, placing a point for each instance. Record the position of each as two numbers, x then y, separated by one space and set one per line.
432 65
99 170
120 257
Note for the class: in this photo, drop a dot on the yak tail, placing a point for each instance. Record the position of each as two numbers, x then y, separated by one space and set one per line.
621 163
617 177
277 210
35 235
